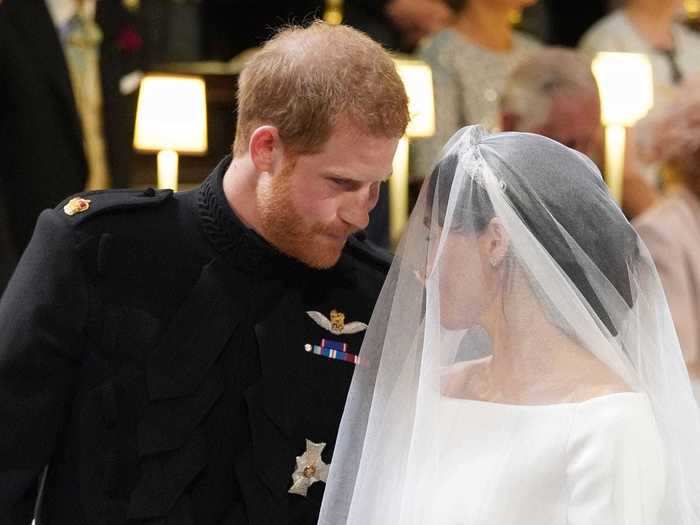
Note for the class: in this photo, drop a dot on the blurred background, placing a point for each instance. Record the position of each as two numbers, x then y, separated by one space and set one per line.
71 72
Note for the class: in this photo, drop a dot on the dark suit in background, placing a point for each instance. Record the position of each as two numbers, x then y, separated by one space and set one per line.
41 141
232 27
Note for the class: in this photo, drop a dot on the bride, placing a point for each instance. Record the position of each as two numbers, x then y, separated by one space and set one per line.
521 363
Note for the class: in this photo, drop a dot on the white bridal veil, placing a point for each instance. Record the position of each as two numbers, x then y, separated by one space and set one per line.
515 255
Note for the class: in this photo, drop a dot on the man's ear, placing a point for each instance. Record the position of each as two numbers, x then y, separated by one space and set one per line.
264 147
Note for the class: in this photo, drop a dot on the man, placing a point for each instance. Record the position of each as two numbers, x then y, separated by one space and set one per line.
63 121
185 358
554 93
234 27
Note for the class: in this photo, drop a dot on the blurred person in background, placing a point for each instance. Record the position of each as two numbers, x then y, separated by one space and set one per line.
554 93
671 230
651 27
470 61
397 24
65 121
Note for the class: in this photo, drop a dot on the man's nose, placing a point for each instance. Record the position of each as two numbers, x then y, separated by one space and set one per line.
355 211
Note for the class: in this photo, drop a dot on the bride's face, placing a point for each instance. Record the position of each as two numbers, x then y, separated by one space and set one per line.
460 271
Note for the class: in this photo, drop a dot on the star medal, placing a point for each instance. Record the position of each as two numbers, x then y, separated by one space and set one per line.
310 469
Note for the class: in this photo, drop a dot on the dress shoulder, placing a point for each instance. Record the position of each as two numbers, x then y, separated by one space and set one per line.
616 469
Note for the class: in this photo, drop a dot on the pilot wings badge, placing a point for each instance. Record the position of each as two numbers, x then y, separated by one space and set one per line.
336 324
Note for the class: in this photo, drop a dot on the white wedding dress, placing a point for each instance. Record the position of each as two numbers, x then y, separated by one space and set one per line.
518 269
597 462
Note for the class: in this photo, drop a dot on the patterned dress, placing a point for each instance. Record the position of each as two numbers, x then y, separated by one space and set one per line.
467 81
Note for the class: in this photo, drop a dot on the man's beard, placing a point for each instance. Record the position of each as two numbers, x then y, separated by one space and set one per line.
289 231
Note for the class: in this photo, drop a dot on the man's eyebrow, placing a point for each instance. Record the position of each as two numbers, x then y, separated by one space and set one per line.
349 178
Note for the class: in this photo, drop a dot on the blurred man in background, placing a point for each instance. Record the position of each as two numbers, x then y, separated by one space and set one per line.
554 93
65 121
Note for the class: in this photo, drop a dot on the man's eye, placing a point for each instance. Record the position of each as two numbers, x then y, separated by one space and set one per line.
342 183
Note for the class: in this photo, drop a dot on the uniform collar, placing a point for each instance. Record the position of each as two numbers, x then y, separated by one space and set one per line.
244 247
229 236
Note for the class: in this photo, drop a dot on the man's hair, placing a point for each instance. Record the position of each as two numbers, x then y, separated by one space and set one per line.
539 79
305 79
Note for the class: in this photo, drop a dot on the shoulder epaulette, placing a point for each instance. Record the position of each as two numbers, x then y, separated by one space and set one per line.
79 207
370 253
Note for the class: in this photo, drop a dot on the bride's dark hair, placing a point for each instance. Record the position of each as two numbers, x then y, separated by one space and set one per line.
553 205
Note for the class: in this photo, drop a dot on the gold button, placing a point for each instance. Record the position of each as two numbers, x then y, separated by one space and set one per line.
309 471
76 205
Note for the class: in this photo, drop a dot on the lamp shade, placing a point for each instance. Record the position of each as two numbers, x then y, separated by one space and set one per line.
418 81
626 87
171 115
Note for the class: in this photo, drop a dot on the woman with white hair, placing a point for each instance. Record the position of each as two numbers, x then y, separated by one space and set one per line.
671 230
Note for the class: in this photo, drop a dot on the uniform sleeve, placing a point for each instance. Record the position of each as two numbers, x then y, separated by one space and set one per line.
616 473
425 152
42 315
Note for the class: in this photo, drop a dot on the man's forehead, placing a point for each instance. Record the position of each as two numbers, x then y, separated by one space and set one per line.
360 158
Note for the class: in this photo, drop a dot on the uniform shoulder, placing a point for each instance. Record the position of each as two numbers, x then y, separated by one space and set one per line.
85 206
369 254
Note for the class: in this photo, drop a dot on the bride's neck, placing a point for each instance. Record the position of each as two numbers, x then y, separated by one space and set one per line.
529 351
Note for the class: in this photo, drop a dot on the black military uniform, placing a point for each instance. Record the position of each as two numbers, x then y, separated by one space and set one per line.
159 357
